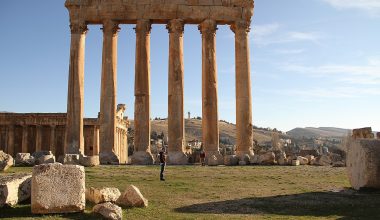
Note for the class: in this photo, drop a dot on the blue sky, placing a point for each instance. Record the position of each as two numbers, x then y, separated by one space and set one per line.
313 63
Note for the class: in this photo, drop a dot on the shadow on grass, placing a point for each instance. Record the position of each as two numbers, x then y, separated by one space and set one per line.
23 211
348 204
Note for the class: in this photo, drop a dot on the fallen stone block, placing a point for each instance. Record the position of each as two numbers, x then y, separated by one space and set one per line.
39 154
72 159
25 159
310 158
269 158
58 188
102 195
295 162
108 211
132 197
6 161
255 159
363 163
231 160
108 158
14 189
45 159
303 160
89 161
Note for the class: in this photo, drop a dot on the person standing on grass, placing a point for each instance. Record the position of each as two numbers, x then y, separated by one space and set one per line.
162 158
202 156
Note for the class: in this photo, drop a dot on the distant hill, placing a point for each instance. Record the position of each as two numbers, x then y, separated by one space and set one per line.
193 130
310 132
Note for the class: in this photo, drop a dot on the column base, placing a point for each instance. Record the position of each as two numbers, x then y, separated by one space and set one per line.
177 158
244 156
142 158
214 158
108 158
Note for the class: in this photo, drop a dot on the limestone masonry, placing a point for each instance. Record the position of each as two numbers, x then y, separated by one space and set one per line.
175 14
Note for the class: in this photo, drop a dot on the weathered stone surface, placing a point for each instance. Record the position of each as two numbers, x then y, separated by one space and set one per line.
267 159
323 160
242 163
108 158
231 160
102 195
177 158
72 159
6 161
14 188
255 159
378 135
303 160
282 161
39 154
46 159
24 159
109 211
214 159
89 161
58 188
132 197
295 162
362 133
310 158
363 163
339 164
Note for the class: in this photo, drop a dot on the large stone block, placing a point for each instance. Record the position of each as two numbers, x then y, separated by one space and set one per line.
102 195
58 188
46 159
108 158
231 160
177 158
269 158
109 211
25 159
89 161
142 158
303 160
363 163
132 197
6 161
14 189
72 159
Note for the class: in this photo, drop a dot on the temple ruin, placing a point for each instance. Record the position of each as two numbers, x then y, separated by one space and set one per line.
174 14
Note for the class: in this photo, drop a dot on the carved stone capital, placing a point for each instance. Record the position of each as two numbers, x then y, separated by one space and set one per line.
110 26
143 26
208 27
241 27
175 26
78 27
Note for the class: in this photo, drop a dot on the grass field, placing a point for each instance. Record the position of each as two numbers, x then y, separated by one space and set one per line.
249 192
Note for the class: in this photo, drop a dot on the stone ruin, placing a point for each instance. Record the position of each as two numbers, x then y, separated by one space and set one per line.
363 161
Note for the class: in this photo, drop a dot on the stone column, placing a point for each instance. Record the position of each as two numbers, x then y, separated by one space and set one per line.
108 94
142 154
176 127
74 143
95 144
24 144
244 130
11 140
52 139
38 138
210 128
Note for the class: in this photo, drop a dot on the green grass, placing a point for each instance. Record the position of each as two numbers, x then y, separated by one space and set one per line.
250 192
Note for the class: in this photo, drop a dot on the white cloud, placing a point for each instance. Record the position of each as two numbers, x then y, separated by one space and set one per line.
353 74
372 6
289 51
268 34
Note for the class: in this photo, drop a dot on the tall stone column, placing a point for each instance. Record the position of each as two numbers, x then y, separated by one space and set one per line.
24 143
52 138
142 154
11 140
176 127
74 143
38 138
244 130
210 127
95 144
108 139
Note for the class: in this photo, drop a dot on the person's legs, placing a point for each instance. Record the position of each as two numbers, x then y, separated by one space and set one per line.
162 171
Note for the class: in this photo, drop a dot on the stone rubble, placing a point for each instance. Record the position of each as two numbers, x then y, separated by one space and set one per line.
6 161
102 195
14 189
109 211
132 197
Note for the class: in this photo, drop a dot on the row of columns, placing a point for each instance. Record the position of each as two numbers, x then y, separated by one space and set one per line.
142 154
10 136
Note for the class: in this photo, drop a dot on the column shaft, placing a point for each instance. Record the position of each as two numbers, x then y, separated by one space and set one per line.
108 94
11 140
52 139
142 154
244 130
95 148
74 127
176 123
24 145
38 138
210 127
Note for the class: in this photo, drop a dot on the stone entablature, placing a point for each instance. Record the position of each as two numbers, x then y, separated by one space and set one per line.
160 11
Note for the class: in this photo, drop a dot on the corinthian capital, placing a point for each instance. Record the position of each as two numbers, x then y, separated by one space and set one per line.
208 27
241 26
143 26
175 26
110 26
78 27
